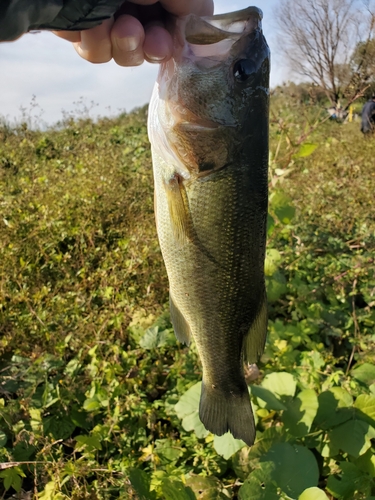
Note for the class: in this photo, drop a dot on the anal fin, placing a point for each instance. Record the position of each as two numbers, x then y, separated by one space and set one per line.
180 325
254 340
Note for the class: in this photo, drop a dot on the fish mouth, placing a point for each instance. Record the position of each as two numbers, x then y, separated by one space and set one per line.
209 30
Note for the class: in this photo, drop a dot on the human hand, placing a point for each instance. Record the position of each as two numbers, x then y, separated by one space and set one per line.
137 32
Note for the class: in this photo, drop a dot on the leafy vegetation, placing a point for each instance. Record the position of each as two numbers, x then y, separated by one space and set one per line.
97 398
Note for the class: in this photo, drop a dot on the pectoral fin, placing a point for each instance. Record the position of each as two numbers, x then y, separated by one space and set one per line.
253 342
180 325
178 210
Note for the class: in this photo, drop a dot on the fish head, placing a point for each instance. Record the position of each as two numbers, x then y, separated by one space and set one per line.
209 93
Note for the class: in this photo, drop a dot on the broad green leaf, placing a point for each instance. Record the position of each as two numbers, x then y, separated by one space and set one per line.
89 443
242 463
328 449
306 149
344 486
167 450
276 286
335 407
49 492
79 418
140 482
246 459
366 404
49 397
36 419
280 383
281 207
176 490
353 437
272 261
3 439
313 494
189 401
226 445
73 367
192 422
366 462
270 224
267 399
91 404
300 413
12 478
206 488
23 451
295 468
364 373
260 484
188 410
60 427
154 338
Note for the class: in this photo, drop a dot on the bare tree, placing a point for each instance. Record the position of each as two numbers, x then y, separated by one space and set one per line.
318 37
362 63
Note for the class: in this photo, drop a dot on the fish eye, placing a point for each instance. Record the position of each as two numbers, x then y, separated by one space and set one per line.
243 69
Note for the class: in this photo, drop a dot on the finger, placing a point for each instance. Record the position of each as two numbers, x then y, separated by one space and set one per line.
70 36
144 2
183 8
158 45
127 38
95 45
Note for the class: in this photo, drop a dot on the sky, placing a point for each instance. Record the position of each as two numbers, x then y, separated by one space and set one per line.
42 77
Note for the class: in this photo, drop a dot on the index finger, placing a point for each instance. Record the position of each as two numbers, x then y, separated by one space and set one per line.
183 8
70 36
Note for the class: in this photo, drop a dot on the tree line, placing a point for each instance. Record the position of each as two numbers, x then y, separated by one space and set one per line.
330 43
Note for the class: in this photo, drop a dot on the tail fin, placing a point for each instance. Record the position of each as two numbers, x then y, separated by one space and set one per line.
221 412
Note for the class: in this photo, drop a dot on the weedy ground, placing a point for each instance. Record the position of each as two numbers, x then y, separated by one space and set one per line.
99 401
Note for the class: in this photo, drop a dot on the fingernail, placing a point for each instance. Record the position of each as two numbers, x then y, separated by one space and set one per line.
154 59
129 43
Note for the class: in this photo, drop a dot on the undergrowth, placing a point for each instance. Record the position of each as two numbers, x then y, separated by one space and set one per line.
97 398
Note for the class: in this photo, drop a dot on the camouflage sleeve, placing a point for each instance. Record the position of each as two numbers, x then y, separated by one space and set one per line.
19 16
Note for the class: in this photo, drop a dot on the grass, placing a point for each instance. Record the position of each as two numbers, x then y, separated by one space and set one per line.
90 371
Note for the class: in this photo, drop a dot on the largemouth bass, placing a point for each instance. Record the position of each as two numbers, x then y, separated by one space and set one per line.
208 128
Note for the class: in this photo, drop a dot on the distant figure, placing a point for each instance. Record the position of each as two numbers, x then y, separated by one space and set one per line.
368 116
337 113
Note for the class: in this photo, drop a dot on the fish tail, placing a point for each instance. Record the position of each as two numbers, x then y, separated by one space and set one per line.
220 413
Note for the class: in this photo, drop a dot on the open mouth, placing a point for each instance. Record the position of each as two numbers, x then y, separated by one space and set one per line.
210 30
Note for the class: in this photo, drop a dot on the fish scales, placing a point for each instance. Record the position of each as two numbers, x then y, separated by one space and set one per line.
208 129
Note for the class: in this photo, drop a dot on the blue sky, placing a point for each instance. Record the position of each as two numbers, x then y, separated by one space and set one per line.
48 68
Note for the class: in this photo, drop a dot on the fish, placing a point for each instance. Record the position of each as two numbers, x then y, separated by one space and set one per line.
208 128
